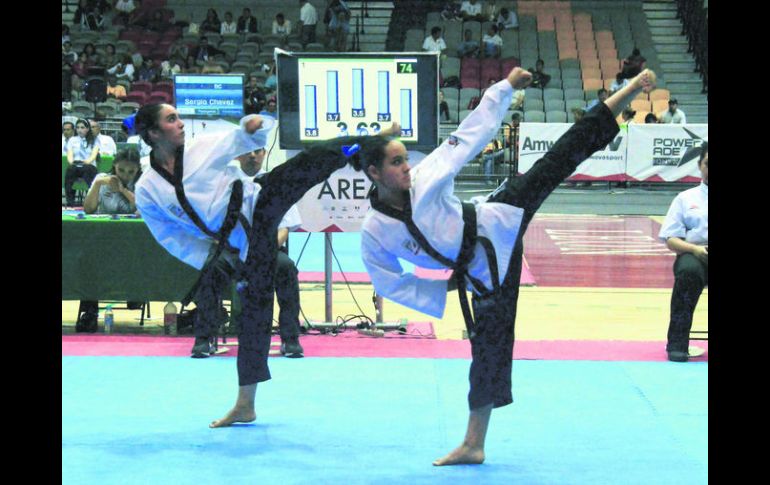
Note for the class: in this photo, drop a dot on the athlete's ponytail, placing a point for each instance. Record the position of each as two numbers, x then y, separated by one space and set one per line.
372 153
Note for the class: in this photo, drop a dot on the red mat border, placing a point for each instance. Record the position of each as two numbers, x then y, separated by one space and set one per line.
362 346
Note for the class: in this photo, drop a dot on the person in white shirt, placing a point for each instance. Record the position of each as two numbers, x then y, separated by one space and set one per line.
229 26
67 132
471 10
106 143
434 42
686 232
308 18
282 27
416 217
673 115
82 151
221 224
493 43
124 69
507 19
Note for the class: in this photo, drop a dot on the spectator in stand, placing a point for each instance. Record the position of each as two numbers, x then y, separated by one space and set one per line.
308 18
123 69
191 66
141 14
211 23
673 115
271 108
601 96
203 51
82 151
171 67
79 74
228 26
67 132
650 119
123 9
451 11
179 49
472 10
88 16
106 143
65 34
247 23
158 22
271 83
490 10
339 24
115 90
109 58
254 96
468 47
539 77
507 19
633 64
148 72
618 83
68 55
490 156
517 102
93 58
434 42
282 28
493 43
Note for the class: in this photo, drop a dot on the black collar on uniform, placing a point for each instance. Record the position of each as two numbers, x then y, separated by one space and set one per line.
178 166
404 216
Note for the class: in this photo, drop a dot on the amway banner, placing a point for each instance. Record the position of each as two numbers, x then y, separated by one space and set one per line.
664 153
535 139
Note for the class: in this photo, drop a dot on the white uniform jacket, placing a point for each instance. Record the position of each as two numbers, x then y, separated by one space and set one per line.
207 185
437 213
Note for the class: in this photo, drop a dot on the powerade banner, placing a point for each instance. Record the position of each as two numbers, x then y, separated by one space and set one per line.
535 139
665 153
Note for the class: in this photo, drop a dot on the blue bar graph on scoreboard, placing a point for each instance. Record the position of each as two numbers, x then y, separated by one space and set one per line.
332 96
311 111
358 94
383 96
406 113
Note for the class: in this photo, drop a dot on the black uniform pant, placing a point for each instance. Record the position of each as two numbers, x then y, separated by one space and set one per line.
75 171
495 313
282 187
691 275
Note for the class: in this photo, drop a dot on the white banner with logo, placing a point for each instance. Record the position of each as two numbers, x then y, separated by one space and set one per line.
535 139
338 204
665 153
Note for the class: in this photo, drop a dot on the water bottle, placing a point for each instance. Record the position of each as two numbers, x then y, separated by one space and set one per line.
108 320
169 319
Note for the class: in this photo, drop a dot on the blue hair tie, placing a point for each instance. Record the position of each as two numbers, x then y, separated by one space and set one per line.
349 151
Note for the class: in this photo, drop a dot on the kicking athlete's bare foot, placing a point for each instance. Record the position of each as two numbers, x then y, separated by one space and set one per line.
519 78
236 415
462 455
645 80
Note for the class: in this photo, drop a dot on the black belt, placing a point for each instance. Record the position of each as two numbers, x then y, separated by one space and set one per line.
459 267
232 217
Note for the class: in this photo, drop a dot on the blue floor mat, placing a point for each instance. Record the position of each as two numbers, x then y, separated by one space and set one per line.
381 421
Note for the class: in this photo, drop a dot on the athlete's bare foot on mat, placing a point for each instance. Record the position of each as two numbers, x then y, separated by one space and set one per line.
236 415
463 455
